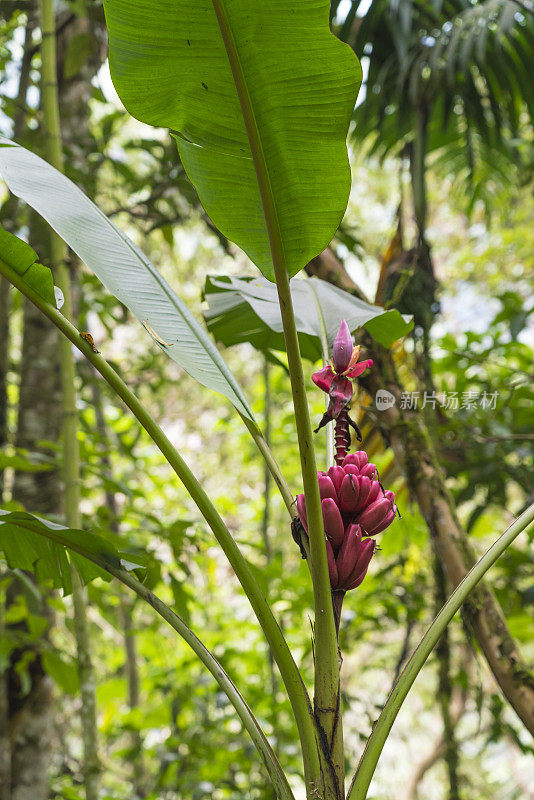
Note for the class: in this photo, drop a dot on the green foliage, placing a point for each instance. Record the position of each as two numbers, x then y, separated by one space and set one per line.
79 48
64 673
462 67
121 266
247 310
181 738
379 734
98 552
22 461
25 546
23 259
280 106
487 433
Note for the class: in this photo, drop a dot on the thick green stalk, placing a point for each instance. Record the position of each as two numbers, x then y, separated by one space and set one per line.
296 690
381 729
327 687
70 450
248 719
326 699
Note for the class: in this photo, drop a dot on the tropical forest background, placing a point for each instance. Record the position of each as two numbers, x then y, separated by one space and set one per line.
440 226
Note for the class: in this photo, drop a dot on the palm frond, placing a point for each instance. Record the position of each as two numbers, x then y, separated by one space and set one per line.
468 64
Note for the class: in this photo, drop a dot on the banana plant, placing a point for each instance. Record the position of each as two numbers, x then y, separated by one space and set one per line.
260 109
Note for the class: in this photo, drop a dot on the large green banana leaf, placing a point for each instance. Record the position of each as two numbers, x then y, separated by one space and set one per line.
247 310
23 546
121 266
259 96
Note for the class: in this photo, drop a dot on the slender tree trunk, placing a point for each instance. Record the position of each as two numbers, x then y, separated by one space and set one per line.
458 706
126 607
405 431
132 678
39 416
444 691
422 294
39 409
31 714
4 365
418 168
8 216
71 466
5 744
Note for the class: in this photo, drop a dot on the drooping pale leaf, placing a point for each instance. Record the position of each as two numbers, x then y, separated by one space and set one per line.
121 266
25 543
247 310
175 64
23 259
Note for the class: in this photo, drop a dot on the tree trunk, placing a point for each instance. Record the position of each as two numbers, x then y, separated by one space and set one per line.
39 421
126 606
39 410
8 216
406 433
29 714
32 731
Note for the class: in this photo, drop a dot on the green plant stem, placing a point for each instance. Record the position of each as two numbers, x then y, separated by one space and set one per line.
326 697
327 689
377 739
70 449
290 674
111 565
266 537
323 337
267 472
